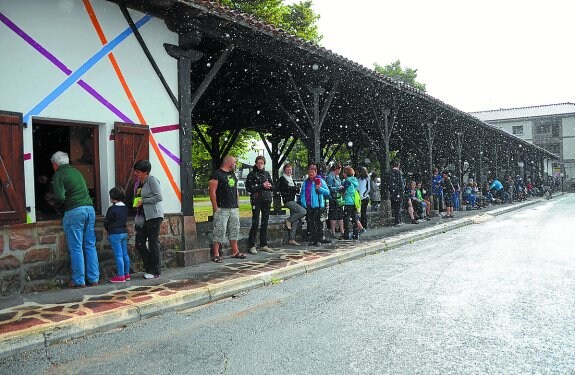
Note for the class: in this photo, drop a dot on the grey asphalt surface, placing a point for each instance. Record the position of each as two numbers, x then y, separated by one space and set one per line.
495 297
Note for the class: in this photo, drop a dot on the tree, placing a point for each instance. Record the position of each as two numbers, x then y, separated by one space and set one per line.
298 19
202 160
405 75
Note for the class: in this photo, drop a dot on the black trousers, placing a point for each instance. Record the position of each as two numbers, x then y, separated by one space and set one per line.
257 208
314 226
151 255
349 216
396 209
363 217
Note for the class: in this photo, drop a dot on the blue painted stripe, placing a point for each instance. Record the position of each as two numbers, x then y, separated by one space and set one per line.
75 76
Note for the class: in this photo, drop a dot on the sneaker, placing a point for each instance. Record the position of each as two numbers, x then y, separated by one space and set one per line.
288 225
252 250
266 249
362 231
118 279
127 277
71 285
150 276
95 283
414 221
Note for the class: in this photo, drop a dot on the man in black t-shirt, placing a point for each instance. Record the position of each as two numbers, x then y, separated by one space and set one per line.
224 197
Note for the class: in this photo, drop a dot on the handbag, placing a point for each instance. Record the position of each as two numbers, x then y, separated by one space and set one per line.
139 220
267 195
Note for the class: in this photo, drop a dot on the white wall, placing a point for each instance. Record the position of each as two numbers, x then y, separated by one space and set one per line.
64 29
527 129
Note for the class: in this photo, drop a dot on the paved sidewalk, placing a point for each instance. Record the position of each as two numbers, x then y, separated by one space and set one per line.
37 320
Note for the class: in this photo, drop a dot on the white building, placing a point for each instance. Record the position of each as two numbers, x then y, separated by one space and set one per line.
551 127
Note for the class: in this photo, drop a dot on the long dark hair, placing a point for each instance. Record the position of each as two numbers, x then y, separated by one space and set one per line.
362 173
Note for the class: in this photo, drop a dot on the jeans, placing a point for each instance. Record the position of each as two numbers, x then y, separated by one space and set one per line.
438 201
79 230
296 212
455 200
257 207
119 244
151 256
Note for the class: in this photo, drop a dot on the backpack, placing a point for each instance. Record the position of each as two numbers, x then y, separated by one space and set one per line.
357 201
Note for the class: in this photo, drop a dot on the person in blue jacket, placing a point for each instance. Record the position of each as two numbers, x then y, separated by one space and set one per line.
312 198
497 187
349 188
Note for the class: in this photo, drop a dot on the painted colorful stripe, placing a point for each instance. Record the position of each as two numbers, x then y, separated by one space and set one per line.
75 76
167 152
132 100
60 65
27 156
113 61
165 128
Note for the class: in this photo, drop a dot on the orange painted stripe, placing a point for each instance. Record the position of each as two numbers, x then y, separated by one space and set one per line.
166 169
112 58
131 98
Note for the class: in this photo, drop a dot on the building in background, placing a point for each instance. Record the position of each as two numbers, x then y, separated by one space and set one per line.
551 127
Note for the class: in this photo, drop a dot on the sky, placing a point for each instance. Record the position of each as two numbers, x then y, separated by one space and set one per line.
473 55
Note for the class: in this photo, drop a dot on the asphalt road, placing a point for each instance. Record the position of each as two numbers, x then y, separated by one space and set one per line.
496 298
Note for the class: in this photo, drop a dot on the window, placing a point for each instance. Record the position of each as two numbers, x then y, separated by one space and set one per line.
554 148
543 129
548 127
518 130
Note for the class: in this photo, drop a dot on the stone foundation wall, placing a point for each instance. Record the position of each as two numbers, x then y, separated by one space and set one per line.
34 257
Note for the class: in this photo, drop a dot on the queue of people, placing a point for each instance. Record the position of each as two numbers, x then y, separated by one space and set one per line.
342 195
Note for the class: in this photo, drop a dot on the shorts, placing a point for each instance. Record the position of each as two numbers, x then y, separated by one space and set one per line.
335 211
226 222
447 199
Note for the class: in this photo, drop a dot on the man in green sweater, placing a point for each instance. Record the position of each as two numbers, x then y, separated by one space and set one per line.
70 189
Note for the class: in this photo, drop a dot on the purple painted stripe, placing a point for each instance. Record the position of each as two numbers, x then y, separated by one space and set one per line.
27 156
167 152
165 128
54 60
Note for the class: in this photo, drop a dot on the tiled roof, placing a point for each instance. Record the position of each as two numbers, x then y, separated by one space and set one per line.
525 112
276 32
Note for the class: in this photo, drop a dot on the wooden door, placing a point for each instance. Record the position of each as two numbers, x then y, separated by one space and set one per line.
12 189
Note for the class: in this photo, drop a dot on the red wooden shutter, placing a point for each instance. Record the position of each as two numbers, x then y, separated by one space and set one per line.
131 143
12 193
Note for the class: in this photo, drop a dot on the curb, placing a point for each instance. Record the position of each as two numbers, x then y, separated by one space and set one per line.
47 335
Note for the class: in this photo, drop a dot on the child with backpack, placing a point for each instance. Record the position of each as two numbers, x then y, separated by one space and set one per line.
115 225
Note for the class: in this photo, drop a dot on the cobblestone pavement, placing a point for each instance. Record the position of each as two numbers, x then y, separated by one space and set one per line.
36 320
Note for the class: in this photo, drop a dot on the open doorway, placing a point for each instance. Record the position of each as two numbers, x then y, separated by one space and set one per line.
80 142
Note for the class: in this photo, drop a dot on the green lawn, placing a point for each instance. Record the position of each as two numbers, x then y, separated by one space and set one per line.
202 212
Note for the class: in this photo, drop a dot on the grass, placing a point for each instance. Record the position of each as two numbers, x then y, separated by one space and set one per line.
201 213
